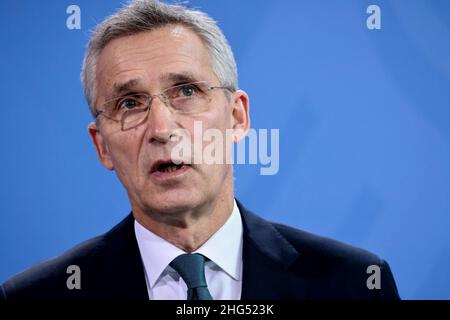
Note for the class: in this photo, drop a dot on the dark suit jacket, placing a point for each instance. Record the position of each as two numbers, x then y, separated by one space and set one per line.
279 262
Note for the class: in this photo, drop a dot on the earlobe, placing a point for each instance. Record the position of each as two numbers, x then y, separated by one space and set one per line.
100 146
241 115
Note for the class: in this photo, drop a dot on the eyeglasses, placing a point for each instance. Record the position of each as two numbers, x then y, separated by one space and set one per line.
133 109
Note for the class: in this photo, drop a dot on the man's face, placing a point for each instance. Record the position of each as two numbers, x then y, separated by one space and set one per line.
150 62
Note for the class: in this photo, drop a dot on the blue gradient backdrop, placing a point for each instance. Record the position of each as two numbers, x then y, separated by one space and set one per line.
364 119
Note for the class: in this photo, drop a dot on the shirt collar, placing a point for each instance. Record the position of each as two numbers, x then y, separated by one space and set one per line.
224 248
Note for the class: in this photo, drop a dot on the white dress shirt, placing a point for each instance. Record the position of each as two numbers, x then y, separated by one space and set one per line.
223 271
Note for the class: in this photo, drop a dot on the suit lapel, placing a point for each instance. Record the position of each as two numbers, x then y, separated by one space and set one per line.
116 269
267 261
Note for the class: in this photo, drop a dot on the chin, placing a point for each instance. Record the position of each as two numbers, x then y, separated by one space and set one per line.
172 202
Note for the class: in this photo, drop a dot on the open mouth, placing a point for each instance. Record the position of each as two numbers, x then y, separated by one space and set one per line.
168 168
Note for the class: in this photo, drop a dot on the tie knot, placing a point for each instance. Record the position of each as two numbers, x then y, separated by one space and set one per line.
191 267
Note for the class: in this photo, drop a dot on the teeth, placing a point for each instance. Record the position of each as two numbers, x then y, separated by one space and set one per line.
169 168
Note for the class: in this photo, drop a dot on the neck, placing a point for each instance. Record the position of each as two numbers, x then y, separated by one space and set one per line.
190 229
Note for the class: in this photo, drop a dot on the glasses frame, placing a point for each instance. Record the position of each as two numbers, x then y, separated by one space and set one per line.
164 98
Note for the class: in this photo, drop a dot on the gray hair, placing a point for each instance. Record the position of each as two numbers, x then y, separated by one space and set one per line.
146 15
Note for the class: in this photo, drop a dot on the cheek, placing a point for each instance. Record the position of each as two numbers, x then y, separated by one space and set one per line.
210 151
218 118
124 152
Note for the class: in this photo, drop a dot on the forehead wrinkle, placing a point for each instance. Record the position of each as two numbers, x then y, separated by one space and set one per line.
135 77
143 61
188 45
124 56
128 47
146 61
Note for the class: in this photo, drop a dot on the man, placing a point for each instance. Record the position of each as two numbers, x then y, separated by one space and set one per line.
151 72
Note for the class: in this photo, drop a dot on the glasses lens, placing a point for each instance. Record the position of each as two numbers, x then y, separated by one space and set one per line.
128 109
133 118
132 110
189 98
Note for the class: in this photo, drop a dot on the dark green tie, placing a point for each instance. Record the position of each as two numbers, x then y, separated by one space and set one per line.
191 267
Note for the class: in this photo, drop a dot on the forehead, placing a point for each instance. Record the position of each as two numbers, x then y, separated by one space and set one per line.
150 56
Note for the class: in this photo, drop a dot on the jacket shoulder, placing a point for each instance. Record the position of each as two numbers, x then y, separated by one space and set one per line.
48 279
326 248
339 269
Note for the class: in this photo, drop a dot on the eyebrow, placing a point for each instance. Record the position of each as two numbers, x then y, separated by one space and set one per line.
119 88
171 77
178 77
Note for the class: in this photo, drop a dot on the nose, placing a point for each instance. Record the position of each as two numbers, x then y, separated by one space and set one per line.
160 121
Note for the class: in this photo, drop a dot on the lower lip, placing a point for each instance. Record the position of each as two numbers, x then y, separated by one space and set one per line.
168 175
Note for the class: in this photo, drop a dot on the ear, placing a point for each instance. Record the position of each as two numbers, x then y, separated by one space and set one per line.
100 146
240 115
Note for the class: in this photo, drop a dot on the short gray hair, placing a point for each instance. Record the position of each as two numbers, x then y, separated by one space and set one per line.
146 15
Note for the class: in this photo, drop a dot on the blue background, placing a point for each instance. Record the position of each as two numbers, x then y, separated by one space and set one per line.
364 119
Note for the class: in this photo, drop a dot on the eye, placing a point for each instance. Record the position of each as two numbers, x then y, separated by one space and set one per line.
187 90
129 103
